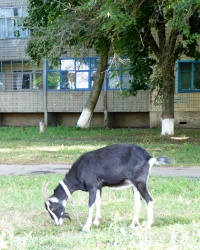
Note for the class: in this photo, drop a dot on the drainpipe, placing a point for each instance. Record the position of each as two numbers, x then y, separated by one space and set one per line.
105 105
45 92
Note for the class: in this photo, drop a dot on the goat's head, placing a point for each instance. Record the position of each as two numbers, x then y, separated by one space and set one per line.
54 206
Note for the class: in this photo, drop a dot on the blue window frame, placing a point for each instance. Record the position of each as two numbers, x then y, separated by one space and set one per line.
188 76
79 74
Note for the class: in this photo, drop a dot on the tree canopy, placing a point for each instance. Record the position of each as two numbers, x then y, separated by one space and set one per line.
148 32
135 29
57 26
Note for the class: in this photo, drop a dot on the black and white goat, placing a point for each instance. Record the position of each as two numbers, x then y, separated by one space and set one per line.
116 166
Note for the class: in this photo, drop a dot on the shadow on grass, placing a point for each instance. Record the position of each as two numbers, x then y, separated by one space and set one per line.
170 220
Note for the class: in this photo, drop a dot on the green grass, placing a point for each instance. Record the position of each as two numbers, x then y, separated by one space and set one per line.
25 224
64 145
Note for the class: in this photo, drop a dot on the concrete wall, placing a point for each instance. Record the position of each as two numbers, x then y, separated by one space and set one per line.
13 49
29 107
13 3
20 119
186 111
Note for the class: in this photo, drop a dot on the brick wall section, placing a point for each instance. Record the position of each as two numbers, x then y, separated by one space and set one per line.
13 49
13 3
21 102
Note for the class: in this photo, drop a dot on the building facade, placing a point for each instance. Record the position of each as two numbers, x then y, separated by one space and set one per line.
29 94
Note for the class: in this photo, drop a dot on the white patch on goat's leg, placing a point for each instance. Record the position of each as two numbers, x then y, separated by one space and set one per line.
138 204
149 214
88 224
98 208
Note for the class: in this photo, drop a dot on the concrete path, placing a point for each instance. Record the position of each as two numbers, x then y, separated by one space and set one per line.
6 169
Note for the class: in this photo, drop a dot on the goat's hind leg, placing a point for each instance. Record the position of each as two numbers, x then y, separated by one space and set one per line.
98 208
142 188
137 206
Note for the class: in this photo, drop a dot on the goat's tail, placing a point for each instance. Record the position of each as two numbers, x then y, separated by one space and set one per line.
163 160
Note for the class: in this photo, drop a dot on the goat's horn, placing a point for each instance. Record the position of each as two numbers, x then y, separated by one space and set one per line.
44 191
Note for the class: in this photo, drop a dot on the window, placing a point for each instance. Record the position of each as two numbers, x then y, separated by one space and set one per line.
118 75
11 22
79 74
188 76
19 75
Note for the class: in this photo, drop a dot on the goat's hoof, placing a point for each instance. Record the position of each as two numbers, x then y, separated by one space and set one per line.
146 226
96 222
85 230
134 225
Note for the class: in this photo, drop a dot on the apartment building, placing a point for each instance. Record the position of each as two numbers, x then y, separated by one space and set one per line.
29 94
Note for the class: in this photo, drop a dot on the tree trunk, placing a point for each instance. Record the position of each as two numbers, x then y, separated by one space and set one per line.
168 99
86 115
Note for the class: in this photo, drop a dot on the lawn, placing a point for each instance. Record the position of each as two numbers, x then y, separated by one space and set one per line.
25 224
65 145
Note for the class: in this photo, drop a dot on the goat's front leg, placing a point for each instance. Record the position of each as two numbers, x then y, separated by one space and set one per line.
137 203
98 208
92 198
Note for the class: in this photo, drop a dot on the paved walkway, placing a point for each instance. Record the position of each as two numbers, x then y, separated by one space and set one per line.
6 169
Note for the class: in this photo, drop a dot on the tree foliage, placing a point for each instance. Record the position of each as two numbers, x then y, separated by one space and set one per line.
163 30
57 26
136 29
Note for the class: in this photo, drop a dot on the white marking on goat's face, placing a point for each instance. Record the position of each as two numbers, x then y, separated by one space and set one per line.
54 199
56 210
64 203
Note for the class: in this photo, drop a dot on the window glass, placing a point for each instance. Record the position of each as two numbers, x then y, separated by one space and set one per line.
185 66
17 81
11 22
68 64
189 76
80 74
82 80
21 75
125 79
197 75
94 63
2 83
67 80
71 79
3 28
82 64
53 80
10 27
26 81
113 64
37 81
113 80
24 12
6 12
185 80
